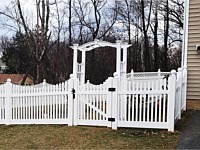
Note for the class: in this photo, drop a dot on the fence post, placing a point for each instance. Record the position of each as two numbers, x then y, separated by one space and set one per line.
70 101
75 101
171 100
8 106
109 100
114 101
179 77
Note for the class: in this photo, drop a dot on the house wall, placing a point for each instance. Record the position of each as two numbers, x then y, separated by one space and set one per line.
193 57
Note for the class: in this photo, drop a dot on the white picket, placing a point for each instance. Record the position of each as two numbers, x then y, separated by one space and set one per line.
2 104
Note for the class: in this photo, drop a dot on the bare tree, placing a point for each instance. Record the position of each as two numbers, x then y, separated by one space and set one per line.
41 36
70 22
127 15
176 11
92 24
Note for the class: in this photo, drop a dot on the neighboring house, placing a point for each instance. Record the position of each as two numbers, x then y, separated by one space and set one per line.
16 78
2 66
191 53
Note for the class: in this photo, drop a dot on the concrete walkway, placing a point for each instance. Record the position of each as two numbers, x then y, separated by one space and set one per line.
190 138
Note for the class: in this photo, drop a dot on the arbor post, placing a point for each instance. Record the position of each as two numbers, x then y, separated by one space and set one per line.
75 60
83 67
125 60
118 60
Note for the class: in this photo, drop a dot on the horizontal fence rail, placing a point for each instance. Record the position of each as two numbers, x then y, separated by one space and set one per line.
151 100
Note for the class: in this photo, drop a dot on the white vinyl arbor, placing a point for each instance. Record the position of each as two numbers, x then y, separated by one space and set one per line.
121 64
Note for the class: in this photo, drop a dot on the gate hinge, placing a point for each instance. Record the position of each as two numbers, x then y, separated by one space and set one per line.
111 89
111 119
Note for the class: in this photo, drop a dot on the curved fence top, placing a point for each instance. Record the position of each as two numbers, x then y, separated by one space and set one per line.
147 74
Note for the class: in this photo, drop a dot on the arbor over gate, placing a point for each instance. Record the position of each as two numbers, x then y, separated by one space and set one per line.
121 62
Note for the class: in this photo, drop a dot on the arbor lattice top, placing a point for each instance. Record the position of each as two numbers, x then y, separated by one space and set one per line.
121 63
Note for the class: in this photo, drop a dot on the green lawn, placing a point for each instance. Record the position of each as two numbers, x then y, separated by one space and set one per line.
64 137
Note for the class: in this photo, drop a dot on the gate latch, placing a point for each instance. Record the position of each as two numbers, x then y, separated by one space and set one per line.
73 93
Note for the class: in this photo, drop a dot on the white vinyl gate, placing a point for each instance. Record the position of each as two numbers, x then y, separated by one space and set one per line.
143 104
92 104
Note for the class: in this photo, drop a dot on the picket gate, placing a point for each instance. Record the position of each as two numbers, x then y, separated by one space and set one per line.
91 104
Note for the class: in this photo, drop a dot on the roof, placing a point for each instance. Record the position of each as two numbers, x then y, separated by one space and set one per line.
15 78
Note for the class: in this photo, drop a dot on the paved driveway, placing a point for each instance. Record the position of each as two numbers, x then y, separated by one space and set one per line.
190 138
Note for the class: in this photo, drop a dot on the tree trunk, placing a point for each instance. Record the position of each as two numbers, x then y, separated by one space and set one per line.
146 56
166 34
70 23
156 52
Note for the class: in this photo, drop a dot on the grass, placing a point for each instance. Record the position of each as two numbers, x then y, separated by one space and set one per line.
81 137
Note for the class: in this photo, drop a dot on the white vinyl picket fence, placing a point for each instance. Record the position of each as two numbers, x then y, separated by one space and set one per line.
142 101
35 105
180 97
